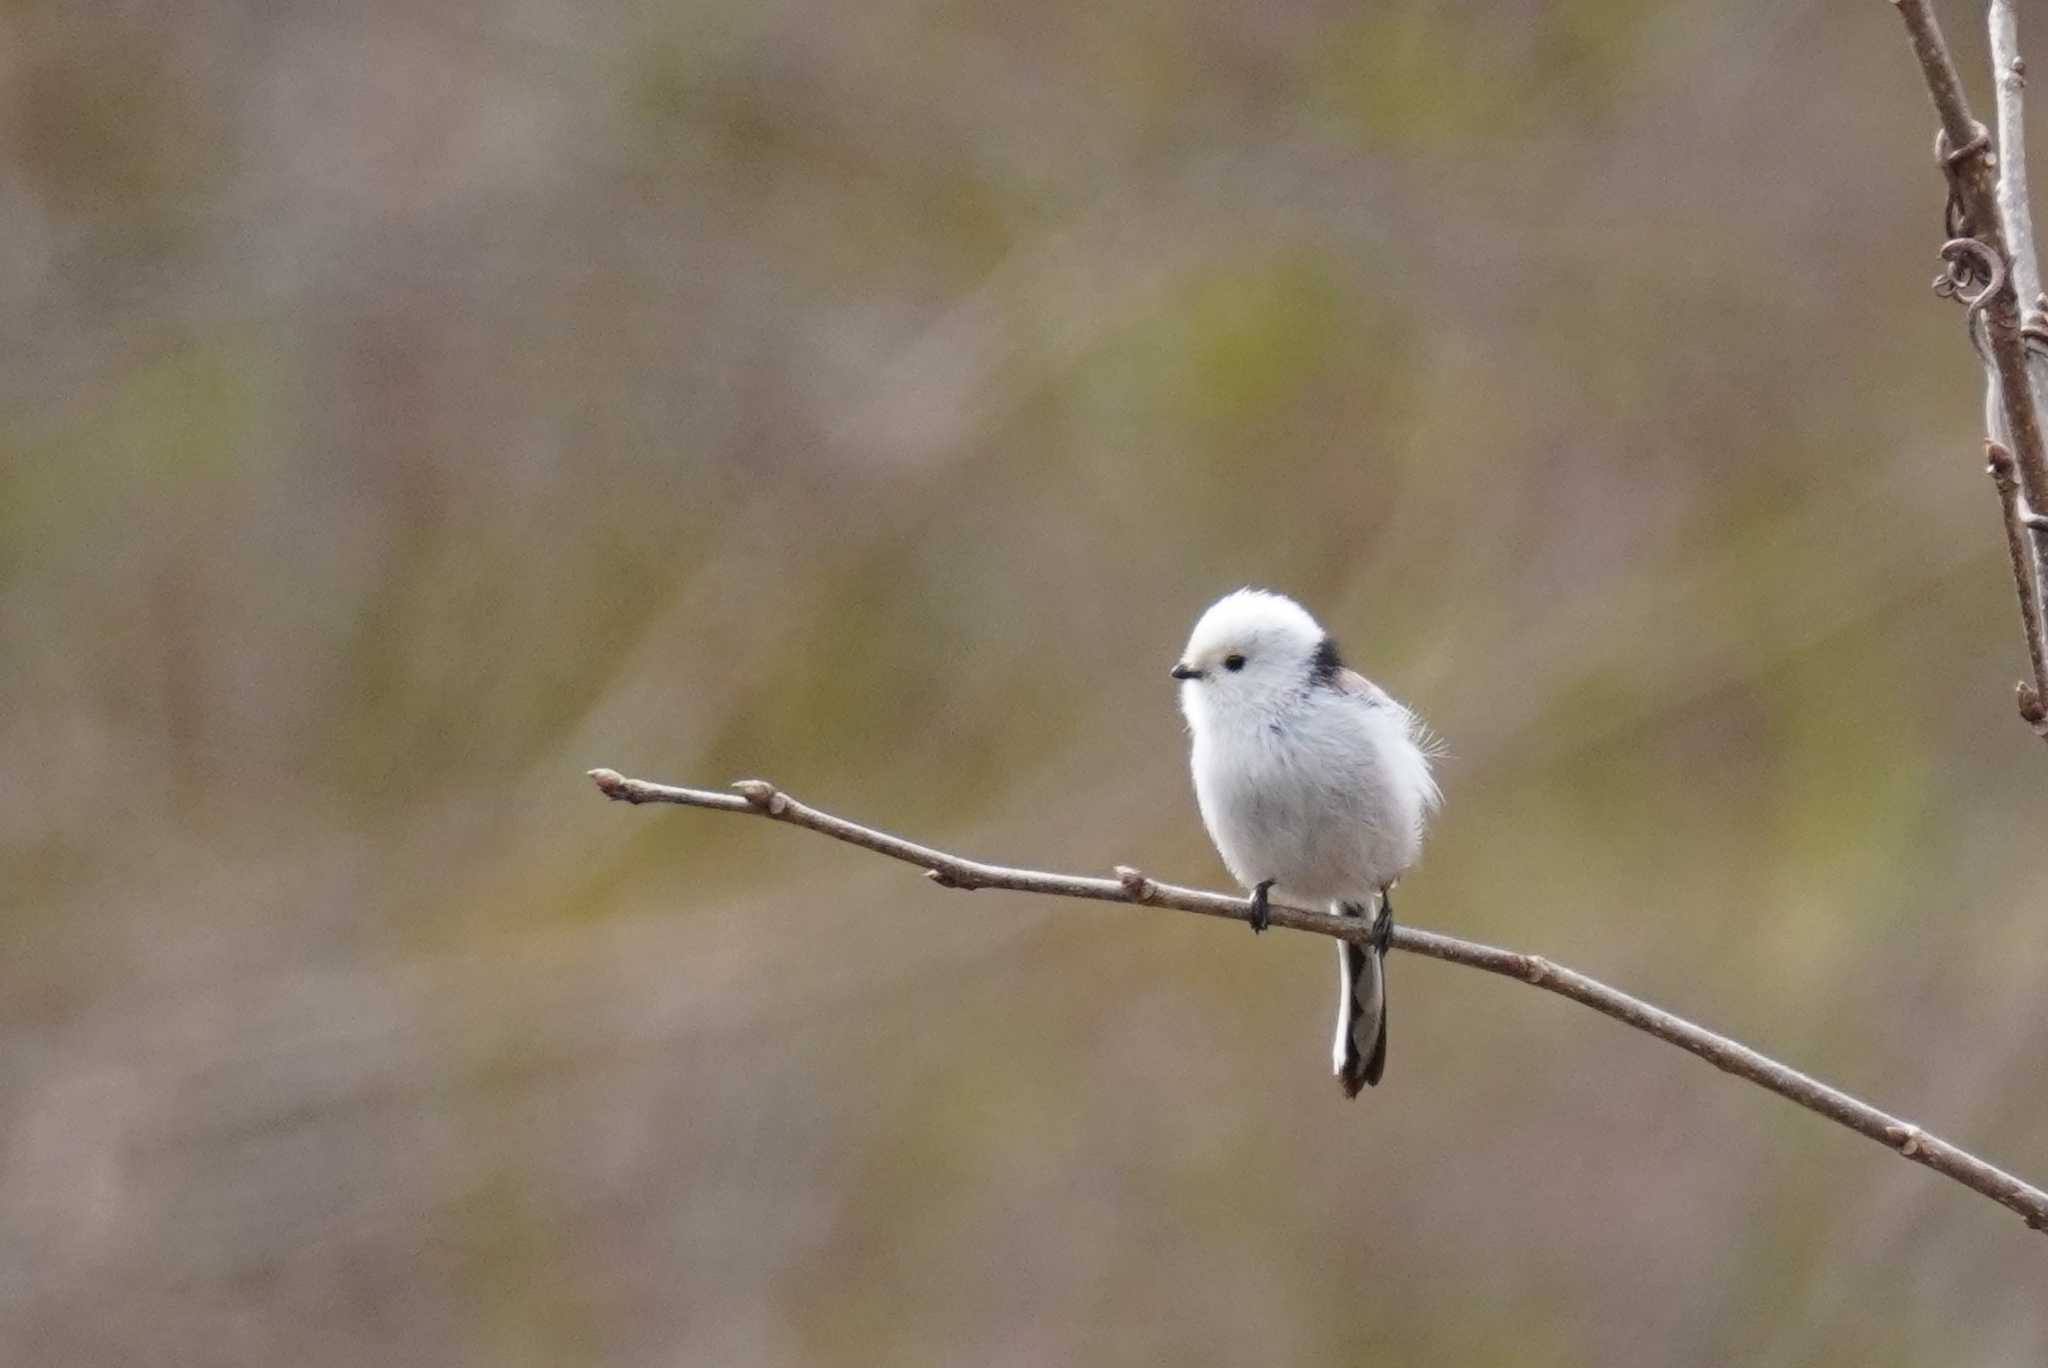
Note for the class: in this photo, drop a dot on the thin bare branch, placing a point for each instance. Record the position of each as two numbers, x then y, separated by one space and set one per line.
2015 208
1972 166
760 798
1988 202
2033 697
2010 71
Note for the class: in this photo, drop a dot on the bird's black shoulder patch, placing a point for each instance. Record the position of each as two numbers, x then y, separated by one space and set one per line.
1324 667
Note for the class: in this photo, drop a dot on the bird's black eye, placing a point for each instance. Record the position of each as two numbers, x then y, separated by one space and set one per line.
1233 662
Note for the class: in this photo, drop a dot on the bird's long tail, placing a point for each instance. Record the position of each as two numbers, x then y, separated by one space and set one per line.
1359 1053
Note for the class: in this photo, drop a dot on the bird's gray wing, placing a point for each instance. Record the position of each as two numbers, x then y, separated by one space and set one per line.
1356 685
1352 684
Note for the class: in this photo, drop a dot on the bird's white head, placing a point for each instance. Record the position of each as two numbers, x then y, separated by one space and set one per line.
1248 655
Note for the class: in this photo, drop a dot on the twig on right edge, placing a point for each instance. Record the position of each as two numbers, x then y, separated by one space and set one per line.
1971 176
2023 542
2009 71
1988 217
2015 208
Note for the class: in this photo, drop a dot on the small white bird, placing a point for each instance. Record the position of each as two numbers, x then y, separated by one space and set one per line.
1313 784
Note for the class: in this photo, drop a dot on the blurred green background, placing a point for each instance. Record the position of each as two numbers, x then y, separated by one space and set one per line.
408 407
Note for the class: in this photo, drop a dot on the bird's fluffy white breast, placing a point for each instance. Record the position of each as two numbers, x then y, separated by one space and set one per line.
1328 796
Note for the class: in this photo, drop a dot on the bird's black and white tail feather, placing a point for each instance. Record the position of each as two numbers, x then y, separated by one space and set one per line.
1359 1053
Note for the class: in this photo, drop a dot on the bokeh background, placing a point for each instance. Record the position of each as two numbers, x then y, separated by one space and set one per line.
408 407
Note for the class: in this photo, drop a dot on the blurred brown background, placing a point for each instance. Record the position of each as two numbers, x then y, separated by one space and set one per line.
408 407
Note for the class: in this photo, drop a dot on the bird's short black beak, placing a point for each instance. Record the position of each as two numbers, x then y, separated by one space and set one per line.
1186 672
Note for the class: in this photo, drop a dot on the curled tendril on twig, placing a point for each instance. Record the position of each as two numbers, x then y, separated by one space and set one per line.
1974 274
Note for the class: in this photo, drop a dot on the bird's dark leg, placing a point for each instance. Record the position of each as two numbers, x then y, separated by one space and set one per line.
1262 914
1383 924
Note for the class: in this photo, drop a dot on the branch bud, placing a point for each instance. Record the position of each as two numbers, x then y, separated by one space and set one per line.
763 795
